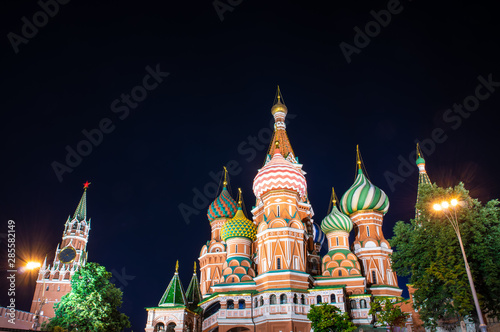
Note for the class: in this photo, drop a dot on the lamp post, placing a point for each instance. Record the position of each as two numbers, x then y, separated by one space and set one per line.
450 211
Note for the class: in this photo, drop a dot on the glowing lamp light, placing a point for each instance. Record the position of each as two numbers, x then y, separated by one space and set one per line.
33 265
454 202
445 204
437 207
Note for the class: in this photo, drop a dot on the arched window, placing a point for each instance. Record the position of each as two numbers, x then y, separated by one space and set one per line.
241 304
282 299
230 304
353 304
261 301
302 299
362 304
159 327
318 299
368 230
171 327
374 277
256 303
340 273
272 299
295 299
212 309
278 263
332 298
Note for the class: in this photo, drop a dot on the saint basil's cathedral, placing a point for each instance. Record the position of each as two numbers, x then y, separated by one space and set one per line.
263 272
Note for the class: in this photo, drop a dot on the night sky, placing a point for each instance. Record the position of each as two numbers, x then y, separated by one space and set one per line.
208 103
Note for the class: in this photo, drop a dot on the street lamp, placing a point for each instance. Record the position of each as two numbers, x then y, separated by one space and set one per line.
450 211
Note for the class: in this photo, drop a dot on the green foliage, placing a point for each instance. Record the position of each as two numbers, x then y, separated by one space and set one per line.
388 313
92 304
428 250
328 318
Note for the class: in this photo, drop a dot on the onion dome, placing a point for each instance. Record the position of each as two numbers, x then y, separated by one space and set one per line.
224 206
239 226
363 195
336 221
277 174
318 235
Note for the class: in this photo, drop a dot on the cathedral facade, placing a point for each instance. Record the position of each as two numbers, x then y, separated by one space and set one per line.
263 270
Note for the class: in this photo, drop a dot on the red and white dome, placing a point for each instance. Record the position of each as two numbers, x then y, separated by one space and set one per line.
277 174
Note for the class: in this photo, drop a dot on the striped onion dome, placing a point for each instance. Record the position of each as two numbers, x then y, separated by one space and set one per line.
318 235
238 226
224 206
363 195
336 221
277 174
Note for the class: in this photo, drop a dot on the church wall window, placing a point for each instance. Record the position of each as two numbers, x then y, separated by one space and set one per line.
353 304
362 304
374 277
272 299
302 299
367 230
230 304
318 299
241 304
283 299
332 298
278 263
261 301
295 299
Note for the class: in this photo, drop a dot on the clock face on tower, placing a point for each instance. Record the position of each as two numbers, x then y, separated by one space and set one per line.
67 255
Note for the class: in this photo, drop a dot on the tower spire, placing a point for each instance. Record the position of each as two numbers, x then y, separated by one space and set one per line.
81 209
423 177
279 112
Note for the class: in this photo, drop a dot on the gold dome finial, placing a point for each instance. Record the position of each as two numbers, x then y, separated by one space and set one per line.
177 266
279 103
225 176
334 197
194 267
418 150
358 157
239 197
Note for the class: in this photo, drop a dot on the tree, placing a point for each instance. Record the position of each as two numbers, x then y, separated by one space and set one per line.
92 304
328 318
388 313
428 251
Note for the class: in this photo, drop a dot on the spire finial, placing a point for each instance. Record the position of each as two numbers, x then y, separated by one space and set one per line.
358 157
334 197
194 267
177 266
239 197
418 150
279 94
225 176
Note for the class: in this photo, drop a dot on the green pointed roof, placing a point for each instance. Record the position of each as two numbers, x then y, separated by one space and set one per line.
174 294
193 293
81 209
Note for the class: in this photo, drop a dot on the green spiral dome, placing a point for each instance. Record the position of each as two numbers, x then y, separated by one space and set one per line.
363 195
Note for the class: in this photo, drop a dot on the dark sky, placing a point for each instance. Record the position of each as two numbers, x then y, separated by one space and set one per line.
68 78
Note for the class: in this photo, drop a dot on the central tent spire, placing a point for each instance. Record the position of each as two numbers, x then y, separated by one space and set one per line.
279 112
